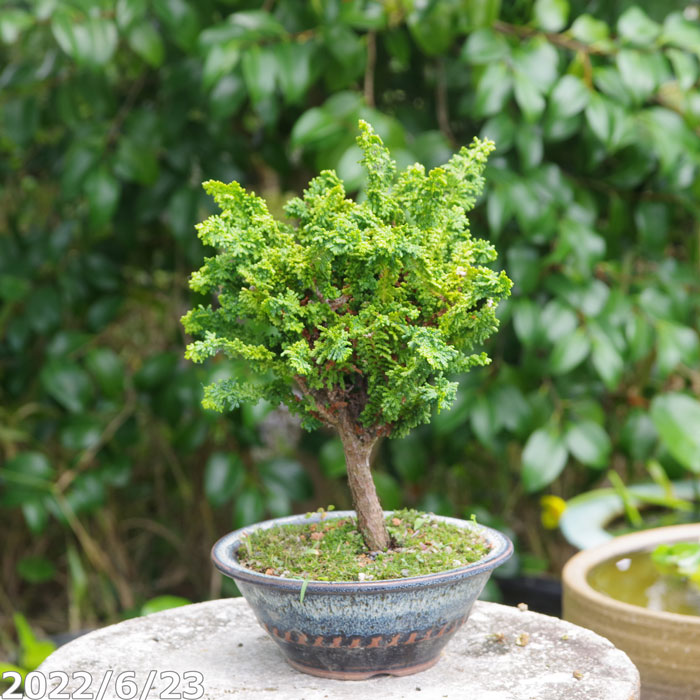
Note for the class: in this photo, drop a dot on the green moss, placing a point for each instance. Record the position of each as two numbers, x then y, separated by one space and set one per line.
333 550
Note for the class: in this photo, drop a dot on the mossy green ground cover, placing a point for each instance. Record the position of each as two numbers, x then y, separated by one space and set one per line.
333 549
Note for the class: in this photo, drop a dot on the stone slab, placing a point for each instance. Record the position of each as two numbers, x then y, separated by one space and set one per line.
502 653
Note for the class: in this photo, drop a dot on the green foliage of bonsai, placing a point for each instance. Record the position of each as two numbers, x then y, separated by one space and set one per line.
356 317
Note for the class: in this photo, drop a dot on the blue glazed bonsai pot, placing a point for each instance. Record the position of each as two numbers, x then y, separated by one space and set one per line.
354 630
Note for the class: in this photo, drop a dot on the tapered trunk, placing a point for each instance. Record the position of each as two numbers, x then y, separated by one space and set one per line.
370 518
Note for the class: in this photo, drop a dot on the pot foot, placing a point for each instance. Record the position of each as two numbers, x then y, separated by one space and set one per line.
363 675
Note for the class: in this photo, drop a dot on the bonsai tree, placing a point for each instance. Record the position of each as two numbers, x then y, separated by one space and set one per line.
356 317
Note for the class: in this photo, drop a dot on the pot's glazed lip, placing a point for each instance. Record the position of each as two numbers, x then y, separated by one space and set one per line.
223 555
576 570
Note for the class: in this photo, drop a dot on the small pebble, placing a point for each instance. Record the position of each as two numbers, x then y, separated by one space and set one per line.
522 640
577 675
522 607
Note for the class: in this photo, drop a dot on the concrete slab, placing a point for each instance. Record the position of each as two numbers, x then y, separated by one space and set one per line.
502 653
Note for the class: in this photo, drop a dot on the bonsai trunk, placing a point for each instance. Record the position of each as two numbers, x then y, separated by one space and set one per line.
370 519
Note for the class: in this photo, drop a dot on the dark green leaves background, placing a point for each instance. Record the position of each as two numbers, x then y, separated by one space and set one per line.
112 113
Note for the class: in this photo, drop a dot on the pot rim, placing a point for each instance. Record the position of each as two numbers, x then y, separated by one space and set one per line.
576 570
223 555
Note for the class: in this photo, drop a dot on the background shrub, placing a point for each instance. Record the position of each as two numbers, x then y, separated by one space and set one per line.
114 481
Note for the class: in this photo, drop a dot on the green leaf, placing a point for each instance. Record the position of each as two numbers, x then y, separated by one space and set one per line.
259 72
544 457
36 569
677 417
156 371
638 436
13 287
538 61
551 15
35 515
181 20
332 458
79 161
67 383
90 42
128 11
606 359
481 13
136 162
316 128
33 465
484 46
569 352
637 71
163 602
484 419
224 474
286 476
81 433
248 507
526 316
108 369
220 61
295 69
569 96
636 27
33 651
607 120
558 320
529 145
256 24
388 490
227 97
589 443
12 23
676 344
103 190
523 267
589 30
685 67
681 32
145 40
432 26
493 90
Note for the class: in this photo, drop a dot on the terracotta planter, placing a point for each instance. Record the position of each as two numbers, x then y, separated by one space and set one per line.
358 629
665 647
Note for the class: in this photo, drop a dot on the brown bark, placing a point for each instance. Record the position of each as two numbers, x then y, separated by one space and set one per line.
370 519
340 410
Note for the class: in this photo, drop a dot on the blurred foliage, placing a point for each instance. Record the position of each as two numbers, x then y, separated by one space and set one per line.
114 481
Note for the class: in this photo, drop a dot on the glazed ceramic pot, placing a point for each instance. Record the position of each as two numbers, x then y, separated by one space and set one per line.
664 646
358 629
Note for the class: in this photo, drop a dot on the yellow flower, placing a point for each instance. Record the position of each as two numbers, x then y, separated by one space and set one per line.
552 509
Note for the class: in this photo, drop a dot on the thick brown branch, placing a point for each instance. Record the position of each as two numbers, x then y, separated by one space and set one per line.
370 518
319 405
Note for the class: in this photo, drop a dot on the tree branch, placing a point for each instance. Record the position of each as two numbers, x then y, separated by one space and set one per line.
369 68
443 112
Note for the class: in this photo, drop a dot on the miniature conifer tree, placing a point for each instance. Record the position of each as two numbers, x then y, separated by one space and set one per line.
356 317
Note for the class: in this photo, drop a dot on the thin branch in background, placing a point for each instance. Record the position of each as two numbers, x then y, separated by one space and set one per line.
125 109
369 68
443 111
557 39
587 69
